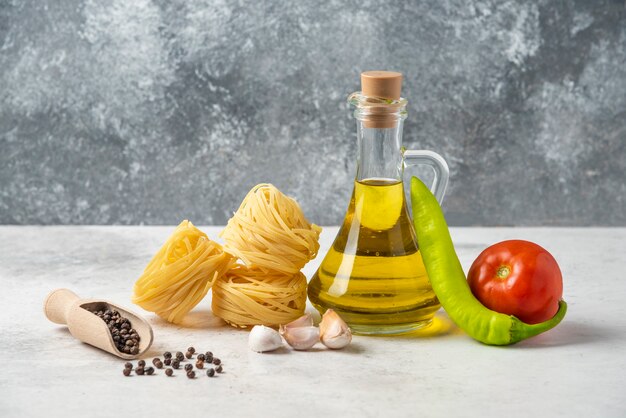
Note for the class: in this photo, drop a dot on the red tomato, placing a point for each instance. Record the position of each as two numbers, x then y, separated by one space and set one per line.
517 278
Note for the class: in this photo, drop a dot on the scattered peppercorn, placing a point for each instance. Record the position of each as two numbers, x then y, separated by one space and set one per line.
202 360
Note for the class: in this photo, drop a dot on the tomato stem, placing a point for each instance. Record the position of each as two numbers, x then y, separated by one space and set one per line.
503 272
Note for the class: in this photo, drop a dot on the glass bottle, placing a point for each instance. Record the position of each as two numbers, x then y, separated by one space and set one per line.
373 275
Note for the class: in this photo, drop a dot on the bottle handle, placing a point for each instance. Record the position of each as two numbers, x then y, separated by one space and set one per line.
437 163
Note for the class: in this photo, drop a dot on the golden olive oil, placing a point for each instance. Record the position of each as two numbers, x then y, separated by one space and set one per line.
373 275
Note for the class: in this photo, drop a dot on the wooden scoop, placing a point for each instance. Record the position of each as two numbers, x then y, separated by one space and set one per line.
62 306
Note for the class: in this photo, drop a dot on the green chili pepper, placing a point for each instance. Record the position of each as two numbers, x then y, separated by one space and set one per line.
449 282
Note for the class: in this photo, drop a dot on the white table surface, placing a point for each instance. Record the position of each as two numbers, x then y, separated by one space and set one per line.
577 369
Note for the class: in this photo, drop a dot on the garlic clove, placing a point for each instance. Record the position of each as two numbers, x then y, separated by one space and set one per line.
263 339
300 338
301 334
305 320
334 332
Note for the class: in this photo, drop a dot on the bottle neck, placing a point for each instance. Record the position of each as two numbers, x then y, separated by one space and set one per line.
379 132
379 152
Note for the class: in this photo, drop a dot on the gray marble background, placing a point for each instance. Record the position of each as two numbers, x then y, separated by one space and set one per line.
132 112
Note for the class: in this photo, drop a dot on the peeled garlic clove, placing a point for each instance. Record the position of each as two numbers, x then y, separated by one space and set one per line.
262 339
334 332
300 338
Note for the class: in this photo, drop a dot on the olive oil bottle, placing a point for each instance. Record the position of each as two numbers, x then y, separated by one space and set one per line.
373 276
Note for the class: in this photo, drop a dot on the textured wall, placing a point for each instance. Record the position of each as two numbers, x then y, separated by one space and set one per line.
143 111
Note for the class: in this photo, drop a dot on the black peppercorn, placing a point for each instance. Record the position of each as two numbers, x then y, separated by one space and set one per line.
130 345
121 331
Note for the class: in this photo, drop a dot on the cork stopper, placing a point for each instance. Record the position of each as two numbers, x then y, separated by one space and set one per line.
378 85
385 84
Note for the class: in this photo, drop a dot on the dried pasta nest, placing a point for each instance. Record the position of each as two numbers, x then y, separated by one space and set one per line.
270 233
180 275
247 296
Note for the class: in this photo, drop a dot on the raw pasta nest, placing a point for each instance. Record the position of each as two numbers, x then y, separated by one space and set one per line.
246 297
269 232
179 276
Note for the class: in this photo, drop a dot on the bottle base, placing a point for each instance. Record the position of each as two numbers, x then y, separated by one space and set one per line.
397 329
386 323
